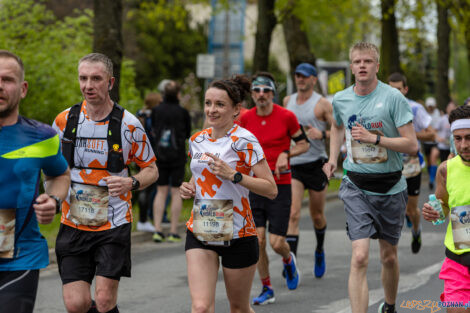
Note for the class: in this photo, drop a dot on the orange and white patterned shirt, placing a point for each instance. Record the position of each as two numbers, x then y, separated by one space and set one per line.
91 151
240 150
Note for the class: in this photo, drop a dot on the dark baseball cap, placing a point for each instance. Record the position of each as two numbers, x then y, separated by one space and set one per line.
306 69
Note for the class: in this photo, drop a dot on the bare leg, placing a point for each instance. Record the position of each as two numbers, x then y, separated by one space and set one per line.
357 285
106 292
77 296
238 284
390 270
263 262
176 205
159 206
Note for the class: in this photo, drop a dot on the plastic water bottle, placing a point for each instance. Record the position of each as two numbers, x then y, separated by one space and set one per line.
436 205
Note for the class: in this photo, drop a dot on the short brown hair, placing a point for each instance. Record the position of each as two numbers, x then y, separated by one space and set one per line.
152 100
11 55
365 46
101 58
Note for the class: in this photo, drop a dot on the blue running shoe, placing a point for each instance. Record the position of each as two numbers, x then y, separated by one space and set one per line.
408 221
265 297
292 273
320 265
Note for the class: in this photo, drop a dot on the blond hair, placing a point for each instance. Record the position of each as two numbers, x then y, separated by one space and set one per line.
365 46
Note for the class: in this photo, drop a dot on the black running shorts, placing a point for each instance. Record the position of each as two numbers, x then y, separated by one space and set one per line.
311 175
276 211
18 290
82 254
243 252
414 184
173 175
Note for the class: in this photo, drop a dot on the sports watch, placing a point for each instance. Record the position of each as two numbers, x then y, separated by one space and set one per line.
135 183
58 203
237 178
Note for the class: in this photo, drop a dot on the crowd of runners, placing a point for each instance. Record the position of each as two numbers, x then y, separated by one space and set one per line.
249 172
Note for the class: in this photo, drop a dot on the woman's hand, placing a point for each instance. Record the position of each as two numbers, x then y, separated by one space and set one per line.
220 168
188 189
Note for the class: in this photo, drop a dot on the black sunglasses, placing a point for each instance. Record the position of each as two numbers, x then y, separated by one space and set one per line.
265 89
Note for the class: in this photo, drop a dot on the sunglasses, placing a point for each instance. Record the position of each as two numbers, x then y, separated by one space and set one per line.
265 89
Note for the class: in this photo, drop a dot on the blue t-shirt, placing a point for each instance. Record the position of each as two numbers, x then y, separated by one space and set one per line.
381 112
26 148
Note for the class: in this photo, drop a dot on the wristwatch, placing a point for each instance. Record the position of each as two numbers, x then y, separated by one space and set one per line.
237 178
135 183
58 203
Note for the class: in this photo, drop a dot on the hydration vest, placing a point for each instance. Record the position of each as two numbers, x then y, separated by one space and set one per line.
115 155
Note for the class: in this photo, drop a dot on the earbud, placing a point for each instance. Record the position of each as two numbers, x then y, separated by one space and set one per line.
109 86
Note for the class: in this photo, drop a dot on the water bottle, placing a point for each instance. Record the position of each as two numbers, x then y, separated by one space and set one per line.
436 205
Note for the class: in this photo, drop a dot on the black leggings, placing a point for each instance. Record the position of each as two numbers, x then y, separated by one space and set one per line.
18 290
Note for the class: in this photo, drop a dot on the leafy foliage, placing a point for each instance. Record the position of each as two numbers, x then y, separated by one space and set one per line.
50 49
166 46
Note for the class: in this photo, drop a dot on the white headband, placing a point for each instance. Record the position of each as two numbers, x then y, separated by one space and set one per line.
459 124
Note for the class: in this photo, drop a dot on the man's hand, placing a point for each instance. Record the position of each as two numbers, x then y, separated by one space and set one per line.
44 208
313 133
118 185
429 214
329 169
282 164
361 134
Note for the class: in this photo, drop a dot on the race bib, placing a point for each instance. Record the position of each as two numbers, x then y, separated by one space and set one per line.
361 153
411 166
460 219
89 204
213 221
7 233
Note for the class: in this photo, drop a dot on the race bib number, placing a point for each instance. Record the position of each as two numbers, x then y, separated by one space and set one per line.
89 204
7 233
213 220
460 219
411 166
361 153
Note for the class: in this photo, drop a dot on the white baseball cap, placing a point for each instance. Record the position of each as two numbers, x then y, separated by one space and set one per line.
430 102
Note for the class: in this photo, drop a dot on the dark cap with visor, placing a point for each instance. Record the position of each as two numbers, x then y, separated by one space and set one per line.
306 69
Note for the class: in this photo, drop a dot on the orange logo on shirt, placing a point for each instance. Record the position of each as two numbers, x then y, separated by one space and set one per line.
206 185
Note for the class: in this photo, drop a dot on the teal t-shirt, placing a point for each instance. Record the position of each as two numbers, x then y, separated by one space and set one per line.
381 112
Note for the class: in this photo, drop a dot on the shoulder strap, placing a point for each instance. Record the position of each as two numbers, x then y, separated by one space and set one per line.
70 133
115 152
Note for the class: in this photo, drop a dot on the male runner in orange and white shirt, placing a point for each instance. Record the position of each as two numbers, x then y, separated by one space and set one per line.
94 237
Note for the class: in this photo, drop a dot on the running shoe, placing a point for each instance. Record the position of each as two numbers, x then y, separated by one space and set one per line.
416 242
292 273
382 309
408 221
265 297
173 238
320 264
158 236
147 227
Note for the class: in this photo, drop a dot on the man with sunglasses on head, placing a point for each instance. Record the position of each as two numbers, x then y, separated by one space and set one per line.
315 113
274 126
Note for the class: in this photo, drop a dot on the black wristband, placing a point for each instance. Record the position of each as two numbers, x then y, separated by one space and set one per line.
288 153
378 140
323 134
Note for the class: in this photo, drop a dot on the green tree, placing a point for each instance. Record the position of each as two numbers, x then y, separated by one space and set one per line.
166 47
389 54
266 22
50 49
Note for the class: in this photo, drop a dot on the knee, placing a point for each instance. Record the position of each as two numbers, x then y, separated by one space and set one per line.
200 307
389 260
294 217
277 245
104 301
262 242
360 260
76 304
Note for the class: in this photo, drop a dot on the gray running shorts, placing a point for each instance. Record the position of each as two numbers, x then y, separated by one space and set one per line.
376 217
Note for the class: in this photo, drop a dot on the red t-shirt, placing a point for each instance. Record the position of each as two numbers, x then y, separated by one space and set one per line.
274 133
242 111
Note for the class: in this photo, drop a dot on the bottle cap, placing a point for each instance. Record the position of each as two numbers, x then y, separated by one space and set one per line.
432 197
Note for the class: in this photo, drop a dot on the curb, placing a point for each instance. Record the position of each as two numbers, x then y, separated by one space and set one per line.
139 236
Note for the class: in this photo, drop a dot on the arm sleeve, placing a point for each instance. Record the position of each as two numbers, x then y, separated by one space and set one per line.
336 114
249 149
56 164
141 152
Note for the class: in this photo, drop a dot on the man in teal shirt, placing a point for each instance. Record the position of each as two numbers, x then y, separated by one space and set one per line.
377 123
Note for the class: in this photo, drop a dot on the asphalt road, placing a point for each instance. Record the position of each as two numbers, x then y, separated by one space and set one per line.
159 282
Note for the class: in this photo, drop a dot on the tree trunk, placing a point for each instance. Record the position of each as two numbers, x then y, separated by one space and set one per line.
107 37
296 41
443 56
266 23
389 54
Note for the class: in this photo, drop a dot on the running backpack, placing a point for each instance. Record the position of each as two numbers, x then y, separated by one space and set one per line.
167 148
